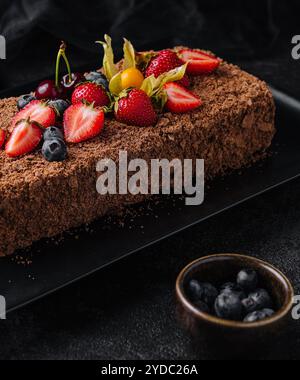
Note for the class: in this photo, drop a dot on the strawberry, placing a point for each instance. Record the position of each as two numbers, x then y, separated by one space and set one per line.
25 137
39 112
82 122
2 137
180 100
136 109
91 93
185 82
166 60
199 62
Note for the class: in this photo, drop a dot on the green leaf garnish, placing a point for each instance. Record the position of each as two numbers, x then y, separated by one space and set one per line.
129 55
143 59
153 86
110 69
115 84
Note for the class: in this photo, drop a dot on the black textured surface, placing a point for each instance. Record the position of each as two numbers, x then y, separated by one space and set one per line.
127 311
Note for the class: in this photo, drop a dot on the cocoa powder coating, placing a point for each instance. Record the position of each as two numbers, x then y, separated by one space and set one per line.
233 128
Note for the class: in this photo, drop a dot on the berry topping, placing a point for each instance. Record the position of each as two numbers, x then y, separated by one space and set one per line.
91 93
60 106
229 306
181 100
54 150
135 108
2 137
53 133
39 112
166 60
199 62
24 100
195 290
25 137
248 280
233 288
258 316
258 300
98 78
48 90
132 77
204 292
70 82
82 122
185 82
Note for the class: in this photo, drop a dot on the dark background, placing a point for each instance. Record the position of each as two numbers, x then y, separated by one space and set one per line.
127 311
237 30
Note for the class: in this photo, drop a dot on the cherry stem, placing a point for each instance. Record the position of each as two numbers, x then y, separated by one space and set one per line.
62 53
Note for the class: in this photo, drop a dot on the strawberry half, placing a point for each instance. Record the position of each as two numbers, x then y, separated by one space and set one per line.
39 112
25 137
180 100
82 122
91 93
2 137
136 109
199 62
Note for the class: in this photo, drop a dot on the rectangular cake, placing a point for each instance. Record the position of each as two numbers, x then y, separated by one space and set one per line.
233 128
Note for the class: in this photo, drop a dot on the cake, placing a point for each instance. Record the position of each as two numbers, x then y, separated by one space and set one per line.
39 199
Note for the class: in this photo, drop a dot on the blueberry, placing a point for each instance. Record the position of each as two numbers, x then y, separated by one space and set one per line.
262 299
195 290
98 78
54 150
256 316
249 305
248 280
230 287
229 306
204 292
24 100
210 294
53 133
60 105
258 300
202 306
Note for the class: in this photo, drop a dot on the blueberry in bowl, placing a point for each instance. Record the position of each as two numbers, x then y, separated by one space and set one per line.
251 311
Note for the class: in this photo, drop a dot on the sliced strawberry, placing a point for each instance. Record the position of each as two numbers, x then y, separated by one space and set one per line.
82 122
181 100
25 137
185 82
39 112
199 62
2 137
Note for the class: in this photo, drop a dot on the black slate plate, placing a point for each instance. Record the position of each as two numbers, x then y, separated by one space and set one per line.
55 265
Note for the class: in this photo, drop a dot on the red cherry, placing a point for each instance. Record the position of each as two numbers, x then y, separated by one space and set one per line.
68 85
48 90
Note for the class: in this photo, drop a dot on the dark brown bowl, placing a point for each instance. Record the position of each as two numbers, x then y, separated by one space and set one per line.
229 338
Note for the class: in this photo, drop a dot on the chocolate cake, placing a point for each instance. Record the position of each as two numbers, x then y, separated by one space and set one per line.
233 128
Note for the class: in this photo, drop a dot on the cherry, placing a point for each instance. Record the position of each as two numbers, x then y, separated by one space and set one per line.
69 84
48 90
